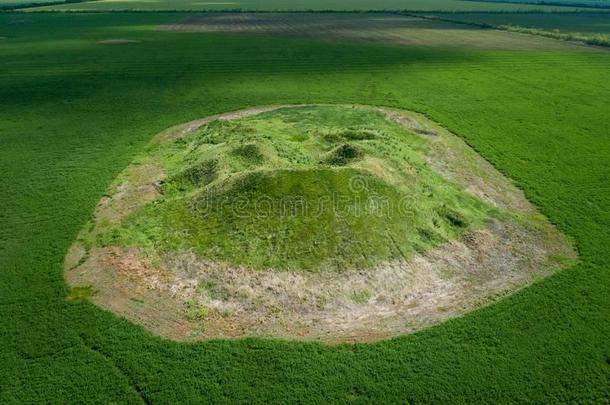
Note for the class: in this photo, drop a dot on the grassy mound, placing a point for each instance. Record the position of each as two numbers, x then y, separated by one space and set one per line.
309 188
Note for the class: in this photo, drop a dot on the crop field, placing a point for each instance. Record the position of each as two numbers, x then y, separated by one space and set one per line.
83 96
21 3
300 5
361 27
589 28
578 23
580 3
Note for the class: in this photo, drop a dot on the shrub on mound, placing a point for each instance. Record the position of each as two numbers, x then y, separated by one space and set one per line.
344 154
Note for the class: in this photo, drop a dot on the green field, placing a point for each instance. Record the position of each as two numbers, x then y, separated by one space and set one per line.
580 3
299 5
384 28
74 112
578 23
19 3
590 28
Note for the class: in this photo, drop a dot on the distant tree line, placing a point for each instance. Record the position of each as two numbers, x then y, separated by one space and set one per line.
40 4
602 5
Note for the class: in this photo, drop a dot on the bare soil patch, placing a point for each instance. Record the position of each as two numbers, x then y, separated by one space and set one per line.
357 306
182 296
364 27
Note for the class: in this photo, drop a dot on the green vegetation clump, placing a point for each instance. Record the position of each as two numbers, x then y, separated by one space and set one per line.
317 204
349 134
81 294
249 152
361 297
360 134
344 154
198 175
214 291
195 312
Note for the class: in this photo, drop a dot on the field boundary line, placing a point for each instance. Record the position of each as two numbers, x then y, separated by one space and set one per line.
599 40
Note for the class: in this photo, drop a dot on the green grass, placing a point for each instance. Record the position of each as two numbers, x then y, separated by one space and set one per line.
81 294
245 192
361 297
195 312
75 113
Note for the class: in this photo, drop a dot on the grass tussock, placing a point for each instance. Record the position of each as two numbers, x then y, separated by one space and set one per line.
343 155
81 294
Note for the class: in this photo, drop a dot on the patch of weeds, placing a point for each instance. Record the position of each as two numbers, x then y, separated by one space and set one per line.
453 217
330 137
321 302
213 290
90 227
216 132
105 239
429 236
360 297
199 175
195 312
349 134
250 152
562 260
425 131
83 258
273 309
360 134
137 300
344 154
299 137
81 294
